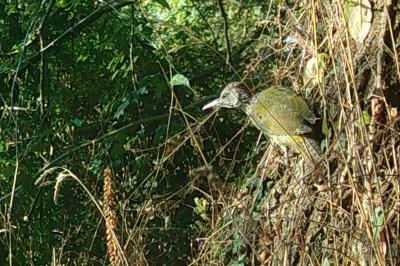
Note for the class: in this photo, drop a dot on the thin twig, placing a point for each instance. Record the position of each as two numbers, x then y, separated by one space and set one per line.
226 34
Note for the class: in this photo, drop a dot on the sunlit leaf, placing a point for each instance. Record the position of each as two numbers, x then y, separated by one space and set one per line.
180 79
323 145
366 117
325 262
359 19
163 3
314 70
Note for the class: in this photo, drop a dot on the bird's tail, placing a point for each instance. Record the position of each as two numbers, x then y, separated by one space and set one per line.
308 148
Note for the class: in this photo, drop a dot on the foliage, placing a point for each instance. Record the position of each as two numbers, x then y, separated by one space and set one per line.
92 85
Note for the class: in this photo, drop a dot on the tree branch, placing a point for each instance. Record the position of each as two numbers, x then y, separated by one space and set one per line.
226 27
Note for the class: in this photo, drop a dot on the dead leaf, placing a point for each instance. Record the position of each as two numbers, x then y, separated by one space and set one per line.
393 112
359 19
314 70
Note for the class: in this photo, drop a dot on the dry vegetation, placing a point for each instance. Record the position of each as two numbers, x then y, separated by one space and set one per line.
348 213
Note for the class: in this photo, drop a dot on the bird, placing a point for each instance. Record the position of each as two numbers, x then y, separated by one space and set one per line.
277 112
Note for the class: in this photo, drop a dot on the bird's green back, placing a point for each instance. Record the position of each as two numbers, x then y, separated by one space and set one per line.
280 111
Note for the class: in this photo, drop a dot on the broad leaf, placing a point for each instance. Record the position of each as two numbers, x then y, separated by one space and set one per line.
325 262
121 109
163 3
359 19
314 70
180 79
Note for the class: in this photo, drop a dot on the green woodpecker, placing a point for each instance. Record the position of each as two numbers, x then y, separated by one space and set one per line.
277 112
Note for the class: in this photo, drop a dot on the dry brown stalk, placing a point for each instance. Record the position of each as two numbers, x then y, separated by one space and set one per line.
110 217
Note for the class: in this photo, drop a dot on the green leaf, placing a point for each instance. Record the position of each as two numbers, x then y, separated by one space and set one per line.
341 144
323 144
241 261
325 262
377 222
2 146
77 122
163 3
366 117
237 243
180 79
121 109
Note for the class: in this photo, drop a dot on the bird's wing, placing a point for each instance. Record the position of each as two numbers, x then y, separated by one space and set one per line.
303 129
302 107
288 110
298 107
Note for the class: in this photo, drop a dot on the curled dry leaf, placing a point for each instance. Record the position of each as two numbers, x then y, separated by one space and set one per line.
314 70
393 112
359 19
378 110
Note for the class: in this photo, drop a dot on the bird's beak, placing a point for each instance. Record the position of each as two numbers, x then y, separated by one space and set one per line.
212 104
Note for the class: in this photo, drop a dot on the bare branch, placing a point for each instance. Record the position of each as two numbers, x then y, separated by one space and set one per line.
226 27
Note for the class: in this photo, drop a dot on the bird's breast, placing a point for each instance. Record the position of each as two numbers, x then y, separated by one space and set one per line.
274 119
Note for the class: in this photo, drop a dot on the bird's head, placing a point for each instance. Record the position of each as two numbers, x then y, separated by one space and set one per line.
234 95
